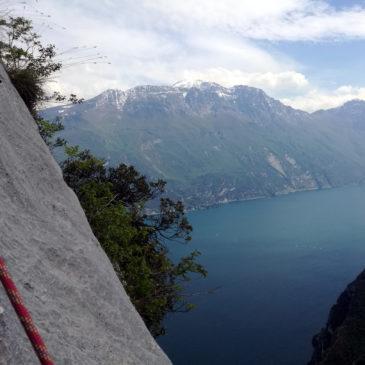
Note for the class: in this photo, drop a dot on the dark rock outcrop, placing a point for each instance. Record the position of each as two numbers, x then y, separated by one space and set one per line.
342 341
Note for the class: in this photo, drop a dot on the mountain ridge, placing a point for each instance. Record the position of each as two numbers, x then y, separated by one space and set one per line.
215 144
185 85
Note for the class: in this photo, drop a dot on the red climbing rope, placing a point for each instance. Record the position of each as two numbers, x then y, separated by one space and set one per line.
24 316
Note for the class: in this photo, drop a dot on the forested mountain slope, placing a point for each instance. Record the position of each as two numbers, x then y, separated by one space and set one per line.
215 144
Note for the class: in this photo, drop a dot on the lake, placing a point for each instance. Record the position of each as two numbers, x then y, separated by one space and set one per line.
279 265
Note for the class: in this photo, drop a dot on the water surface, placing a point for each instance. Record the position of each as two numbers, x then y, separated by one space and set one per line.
280 264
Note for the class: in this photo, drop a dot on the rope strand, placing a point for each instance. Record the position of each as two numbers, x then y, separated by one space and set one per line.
24 315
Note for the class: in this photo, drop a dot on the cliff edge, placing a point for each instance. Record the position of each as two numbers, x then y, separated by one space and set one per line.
65 278
342 341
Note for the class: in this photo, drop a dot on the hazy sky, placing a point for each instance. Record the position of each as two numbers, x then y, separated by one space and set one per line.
308 53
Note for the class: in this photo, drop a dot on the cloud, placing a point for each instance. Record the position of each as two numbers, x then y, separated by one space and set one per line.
324 99
289 20
163 41
140 48
269 81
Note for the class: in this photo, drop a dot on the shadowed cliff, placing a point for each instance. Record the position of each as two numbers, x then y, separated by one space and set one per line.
66 280
342 341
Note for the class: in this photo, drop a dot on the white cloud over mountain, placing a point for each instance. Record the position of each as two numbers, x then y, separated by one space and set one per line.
316 99
162 41
270 81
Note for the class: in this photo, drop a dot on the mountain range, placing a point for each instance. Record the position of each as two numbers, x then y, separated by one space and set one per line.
214 144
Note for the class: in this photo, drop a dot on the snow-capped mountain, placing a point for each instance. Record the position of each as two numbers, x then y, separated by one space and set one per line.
215 144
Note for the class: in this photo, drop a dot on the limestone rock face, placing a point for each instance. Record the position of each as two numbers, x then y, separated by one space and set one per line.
66 280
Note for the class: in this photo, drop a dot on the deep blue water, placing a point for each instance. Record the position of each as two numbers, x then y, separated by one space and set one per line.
280 264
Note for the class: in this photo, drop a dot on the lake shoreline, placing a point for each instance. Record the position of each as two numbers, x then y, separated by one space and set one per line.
263 197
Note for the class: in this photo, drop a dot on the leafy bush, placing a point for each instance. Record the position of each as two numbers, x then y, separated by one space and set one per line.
114 200
28 63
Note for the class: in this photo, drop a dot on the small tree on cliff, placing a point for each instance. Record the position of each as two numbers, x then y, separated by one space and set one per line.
137 244
29 65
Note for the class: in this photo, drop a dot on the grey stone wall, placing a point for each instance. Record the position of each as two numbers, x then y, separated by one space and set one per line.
66 280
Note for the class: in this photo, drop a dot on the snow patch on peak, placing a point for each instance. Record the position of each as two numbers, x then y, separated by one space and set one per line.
187 84
221 91
114 97
199 84
223 94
